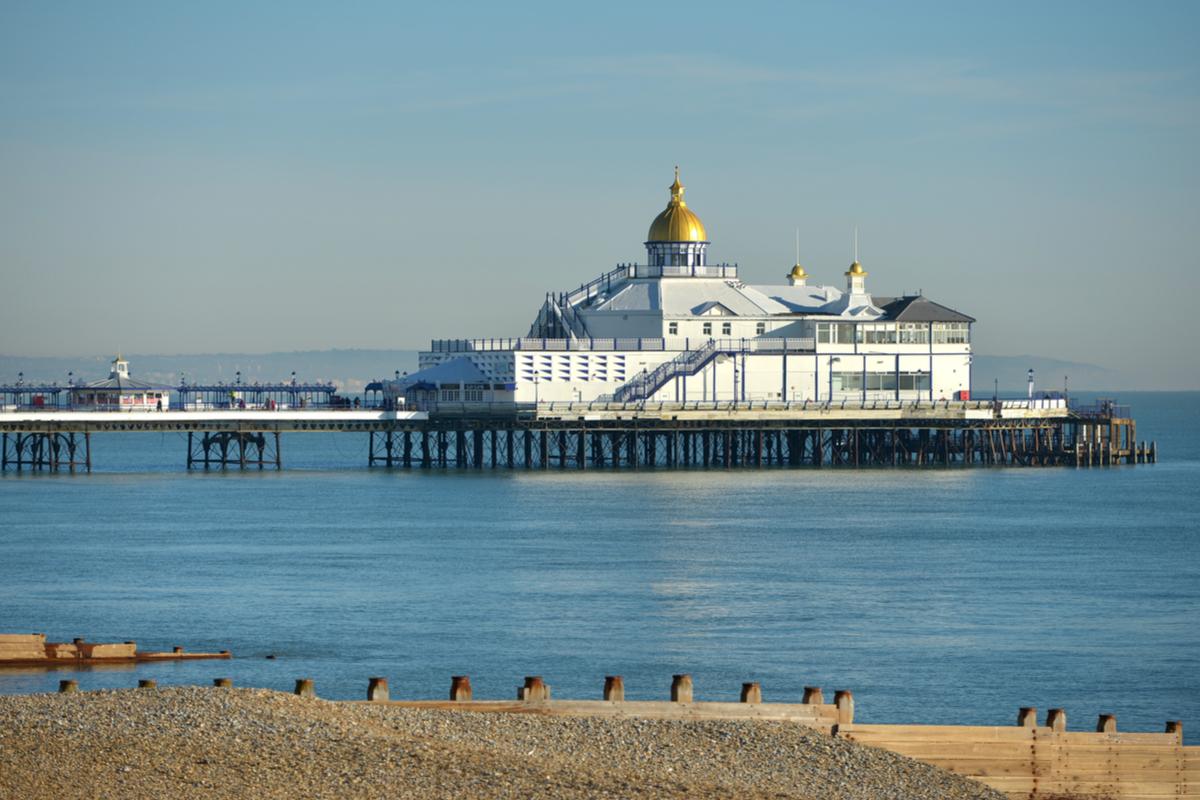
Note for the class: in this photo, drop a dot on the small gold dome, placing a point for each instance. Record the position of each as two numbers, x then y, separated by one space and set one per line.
677 223
797 272
856 269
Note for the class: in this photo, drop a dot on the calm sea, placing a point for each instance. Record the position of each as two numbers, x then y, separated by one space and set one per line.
937 596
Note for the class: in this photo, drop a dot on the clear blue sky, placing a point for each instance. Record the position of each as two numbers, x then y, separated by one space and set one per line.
247 177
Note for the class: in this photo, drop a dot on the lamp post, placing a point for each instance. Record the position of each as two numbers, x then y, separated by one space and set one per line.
1030 388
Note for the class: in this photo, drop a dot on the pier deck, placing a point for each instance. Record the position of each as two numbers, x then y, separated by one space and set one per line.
632 435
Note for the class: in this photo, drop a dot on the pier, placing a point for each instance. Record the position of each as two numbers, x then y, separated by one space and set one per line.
599 435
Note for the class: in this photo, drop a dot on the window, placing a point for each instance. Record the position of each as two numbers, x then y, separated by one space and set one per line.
877 333
760 328
707 329
950 333
914 333
726 328
449 395
472 395
914 381
672 328
835 332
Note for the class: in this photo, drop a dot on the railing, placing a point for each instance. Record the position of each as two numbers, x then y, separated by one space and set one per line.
681 343
1101 409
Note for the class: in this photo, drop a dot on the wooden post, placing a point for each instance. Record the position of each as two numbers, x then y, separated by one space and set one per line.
1056 719
147 683
534 689
1176 727
304 687
1027 717
377 690
1107 723
68 687
224 683
844 701
460 688
813 696
614 688
751 692
681 688
176 649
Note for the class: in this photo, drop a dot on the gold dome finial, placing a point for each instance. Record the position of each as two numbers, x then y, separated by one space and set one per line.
677 190
677 222
798 272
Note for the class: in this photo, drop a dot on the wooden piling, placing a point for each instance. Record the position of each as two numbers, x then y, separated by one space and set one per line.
1027 717
1107 723
1056 719
813 696
304 687
223 683
844 700
681 688
460 688
68 687
147 683
1176 727
614 688
751 692
534 689
377 690
176 649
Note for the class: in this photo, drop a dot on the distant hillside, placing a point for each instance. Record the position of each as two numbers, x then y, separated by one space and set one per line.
1048 374
351 370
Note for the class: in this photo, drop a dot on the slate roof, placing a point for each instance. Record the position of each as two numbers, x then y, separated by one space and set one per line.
918 308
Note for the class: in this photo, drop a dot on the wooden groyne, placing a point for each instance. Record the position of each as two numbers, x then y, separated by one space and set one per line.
32 650
1026 761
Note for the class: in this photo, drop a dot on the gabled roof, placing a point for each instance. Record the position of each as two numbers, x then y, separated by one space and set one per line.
712 305
917 308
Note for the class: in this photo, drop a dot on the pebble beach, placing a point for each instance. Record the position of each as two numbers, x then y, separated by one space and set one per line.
236 743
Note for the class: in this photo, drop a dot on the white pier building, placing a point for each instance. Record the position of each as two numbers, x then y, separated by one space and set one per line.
678 329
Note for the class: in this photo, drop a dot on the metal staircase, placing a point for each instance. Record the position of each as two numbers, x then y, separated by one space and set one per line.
645 384
689 362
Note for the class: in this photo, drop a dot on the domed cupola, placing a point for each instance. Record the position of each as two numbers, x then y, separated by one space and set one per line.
677 237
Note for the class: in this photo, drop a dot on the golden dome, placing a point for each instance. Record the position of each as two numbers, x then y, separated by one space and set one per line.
856 269
797 272
677 223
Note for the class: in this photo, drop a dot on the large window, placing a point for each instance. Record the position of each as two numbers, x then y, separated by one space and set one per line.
951 333
672 328
707 329
914 333
835 333
726 328
880 381
760 328
877 333
914 381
